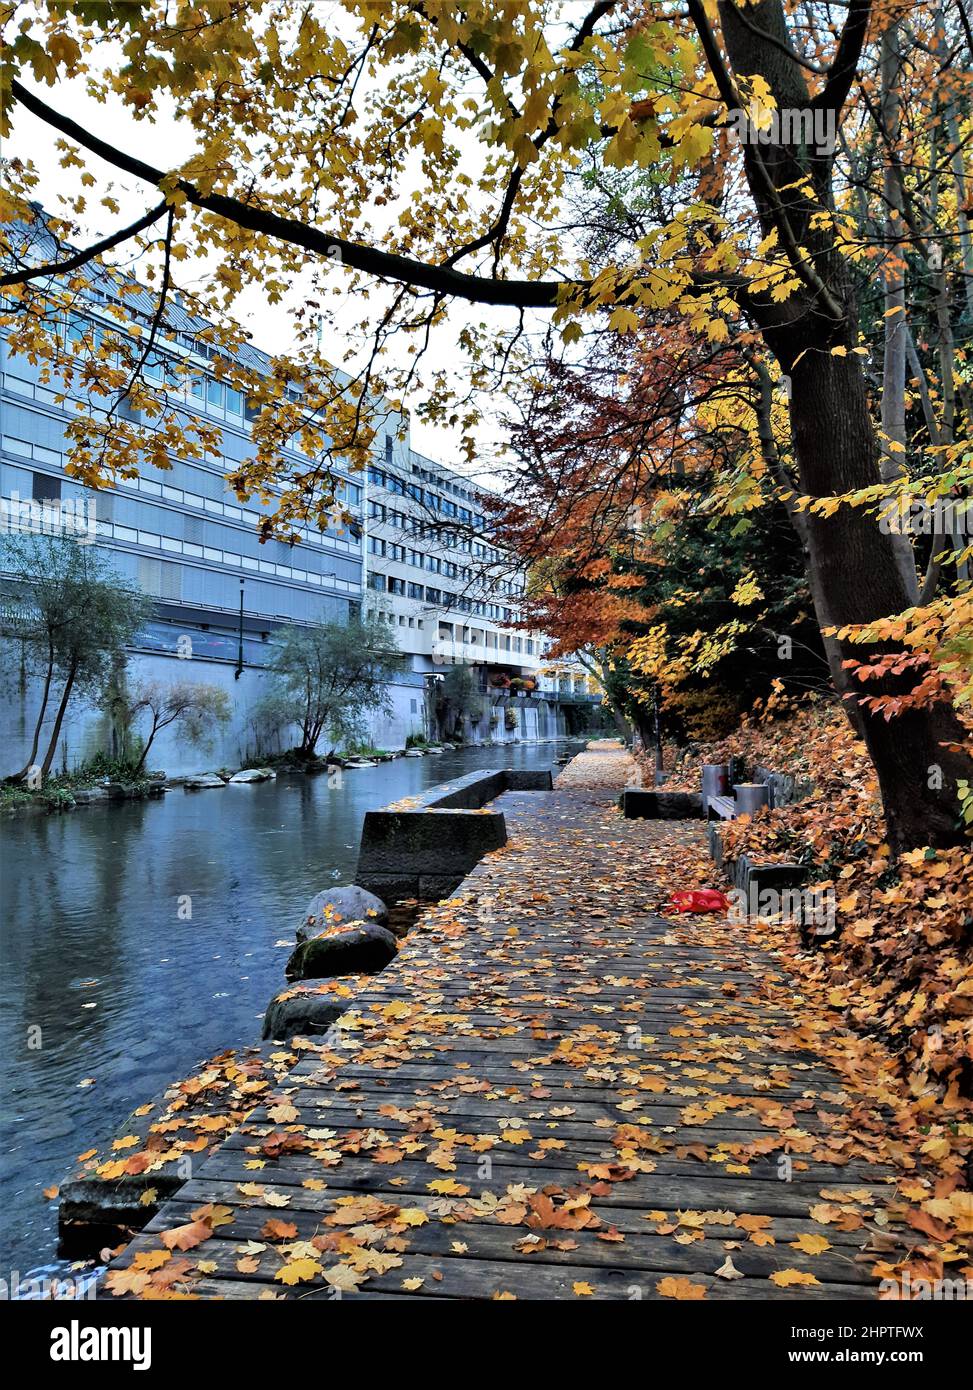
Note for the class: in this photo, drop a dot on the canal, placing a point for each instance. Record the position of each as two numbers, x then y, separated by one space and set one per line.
141 938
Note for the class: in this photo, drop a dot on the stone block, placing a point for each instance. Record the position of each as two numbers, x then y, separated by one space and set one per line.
638 804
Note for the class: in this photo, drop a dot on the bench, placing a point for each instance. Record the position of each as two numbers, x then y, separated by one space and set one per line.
720 808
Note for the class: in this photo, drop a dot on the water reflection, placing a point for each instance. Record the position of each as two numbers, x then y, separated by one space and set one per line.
140 939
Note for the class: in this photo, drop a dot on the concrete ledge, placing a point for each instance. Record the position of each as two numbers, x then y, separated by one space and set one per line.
753 878
784 790
637 804
424 846
524 779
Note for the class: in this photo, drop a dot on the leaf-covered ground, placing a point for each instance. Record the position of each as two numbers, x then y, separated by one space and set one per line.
901 968
557 1091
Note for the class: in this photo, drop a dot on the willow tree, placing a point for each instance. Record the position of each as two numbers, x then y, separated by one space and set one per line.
427 147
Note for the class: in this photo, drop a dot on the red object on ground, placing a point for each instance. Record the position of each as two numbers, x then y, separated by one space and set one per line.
699 900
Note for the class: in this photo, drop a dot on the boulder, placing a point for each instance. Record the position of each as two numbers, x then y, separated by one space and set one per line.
252 774
88 796
348 903
300 1012
414 753
203 780
355 951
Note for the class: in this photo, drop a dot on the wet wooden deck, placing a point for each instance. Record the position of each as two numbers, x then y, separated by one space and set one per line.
553 1092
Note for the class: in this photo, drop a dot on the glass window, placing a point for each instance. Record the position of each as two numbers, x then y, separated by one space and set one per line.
234 402
214 391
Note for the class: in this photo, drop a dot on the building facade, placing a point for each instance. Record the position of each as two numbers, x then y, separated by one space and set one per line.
432 571
419 556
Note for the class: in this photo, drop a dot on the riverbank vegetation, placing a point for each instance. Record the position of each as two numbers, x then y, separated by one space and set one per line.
69 620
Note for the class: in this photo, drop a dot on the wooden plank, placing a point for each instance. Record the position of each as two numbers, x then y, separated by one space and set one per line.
465 1035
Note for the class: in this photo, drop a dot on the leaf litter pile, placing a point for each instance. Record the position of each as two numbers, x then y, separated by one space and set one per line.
554 1091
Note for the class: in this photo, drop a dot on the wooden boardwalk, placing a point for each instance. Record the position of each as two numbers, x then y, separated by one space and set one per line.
553 1092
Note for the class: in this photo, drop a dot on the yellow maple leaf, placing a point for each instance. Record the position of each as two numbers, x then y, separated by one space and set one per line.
784 1278
298 1271
680 1288
810 1244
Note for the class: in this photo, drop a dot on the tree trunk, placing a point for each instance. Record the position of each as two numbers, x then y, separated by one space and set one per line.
854 570
58 721
49 676
145 751
892 464
623 724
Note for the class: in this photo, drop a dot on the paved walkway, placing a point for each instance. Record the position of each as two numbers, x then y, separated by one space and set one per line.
553 1092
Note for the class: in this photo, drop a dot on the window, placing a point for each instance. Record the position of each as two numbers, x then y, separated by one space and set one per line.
234 401
388 448
214 392
77 326
46 489
415 591
396 586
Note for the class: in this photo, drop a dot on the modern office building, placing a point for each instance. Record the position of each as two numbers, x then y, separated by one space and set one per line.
420 553
432 570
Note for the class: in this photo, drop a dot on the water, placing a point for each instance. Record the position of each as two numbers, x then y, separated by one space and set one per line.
111 990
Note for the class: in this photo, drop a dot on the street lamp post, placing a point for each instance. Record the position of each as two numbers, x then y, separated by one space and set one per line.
239 660
430 680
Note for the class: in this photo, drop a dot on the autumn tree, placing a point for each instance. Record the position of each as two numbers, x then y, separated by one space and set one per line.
75 618
195 708
327 678
303 128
